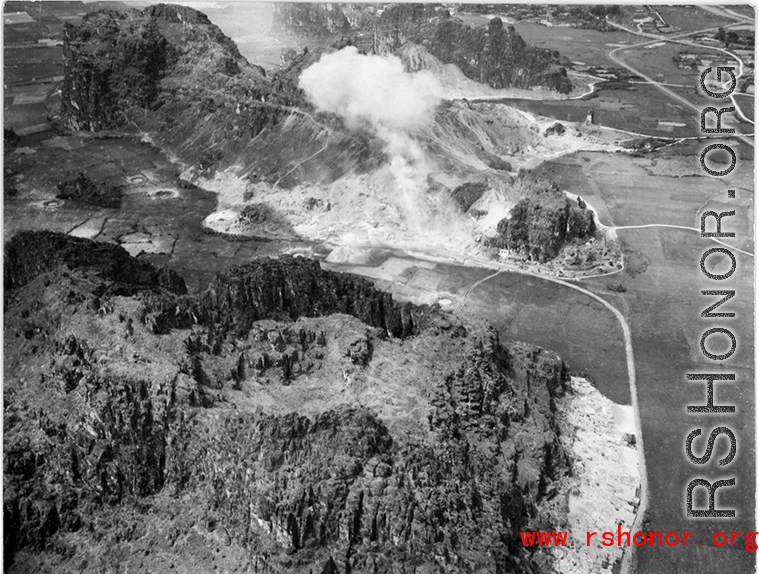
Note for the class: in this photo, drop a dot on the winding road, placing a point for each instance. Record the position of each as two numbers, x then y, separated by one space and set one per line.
662 86
629 558
627 565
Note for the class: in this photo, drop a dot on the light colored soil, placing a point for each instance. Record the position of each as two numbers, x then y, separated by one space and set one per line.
606 477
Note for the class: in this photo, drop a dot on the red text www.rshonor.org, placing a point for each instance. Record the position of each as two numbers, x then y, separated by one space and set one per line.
621 538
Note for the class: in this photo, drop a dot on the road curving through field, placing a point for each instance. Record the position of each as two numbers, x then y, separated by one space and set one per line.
627 564
675 38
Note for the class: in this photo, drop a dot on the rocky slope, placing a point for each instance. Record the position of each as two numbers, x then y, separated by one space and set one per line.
496 55
544 220
170 74
310 19
281 167
288 419
267 289
33 253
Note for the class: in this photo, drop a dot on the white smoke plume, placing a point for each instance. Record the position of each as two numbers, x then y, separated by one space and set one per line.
371 90
377 93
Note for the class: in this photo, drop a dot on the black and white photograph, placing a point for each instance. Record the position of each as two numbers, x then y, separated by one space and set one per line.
378 288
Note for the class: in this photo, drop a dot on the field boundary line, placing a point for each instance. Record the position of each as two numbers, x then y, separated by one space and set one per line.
649 225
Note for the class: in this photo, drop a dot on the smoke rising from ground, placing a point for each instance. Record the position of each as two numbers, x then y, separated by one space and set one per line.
371 90
376 93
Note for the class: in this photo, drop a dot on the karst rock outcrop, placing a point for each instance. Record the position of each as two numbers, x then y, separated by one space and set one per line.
287 419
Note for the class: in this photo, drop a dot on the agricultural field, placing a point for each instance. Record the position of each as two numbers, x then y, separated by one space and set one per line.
32 63
158 215
663 304
746 102
746 10
576 44
639 108
657 59
625 189
31 72
692 18
585 334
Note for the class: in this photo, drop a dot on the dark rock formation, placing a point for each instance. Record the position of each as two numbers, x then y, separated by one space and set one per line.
556 129
544 220
169 72
122 445
494 55
10 140
467 194
9 183
119 66
285 289
99 86
310 19
33 253
342 482
81 188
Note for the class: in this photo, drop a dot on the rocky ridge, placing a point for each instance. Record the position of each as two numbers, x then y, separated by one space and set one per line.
168 73
32 253
313 19
337 432
496 55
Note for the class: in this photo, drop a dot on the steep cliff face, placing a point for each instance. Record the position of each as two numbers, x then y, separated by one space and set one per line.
99 85
307 19
123 64
544 220
301 440
495 55
286 289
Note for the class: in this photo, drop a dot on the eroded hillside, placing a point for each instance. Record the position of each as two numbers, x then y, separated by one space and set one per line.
288 419
496 56
286 166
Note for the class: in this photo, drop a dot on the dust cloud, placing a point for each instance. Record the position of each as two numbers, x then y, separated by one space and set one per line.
376 93
371 90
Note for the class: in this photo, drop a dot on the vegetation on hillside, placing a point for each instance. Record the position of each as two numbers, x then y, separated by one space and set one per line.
543 220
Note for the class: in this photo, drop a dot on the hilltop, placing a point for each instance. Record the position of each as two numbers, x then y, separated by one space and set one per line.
496 56
288 419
